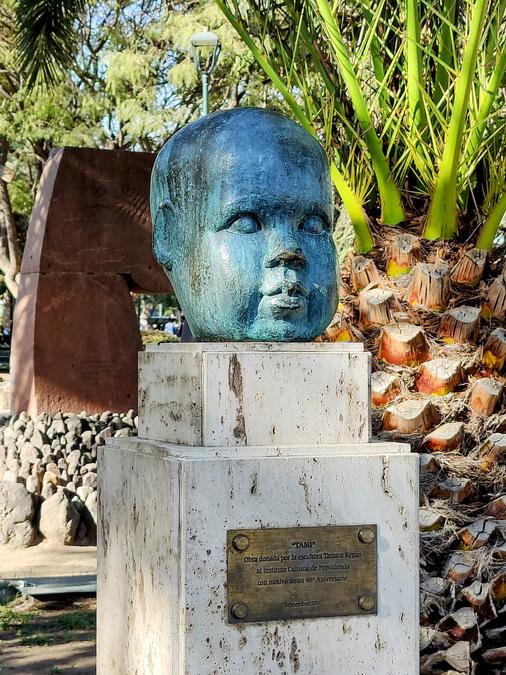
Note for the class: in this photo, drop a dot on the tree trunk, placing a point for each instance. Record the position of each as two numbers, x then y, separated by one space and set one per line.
10 256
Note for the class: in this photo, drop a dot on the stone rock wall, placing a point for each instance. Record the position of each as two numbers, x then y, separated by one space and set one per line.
48 475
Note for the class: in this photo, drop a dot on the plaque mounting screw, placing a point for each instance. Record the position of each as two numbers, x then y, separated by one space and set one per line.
365 602
240 542
366 535
239 610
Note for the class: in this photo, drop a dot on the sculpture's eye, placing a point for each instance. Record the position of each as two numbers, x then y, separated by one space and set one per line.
246 223
313 224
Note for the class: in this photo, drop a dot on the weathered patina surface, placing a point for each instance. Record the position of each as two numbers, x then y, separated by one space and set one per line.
241 203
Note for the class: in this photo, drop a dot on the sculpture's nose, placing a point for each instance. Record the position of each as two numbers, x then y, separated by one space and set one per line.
284 250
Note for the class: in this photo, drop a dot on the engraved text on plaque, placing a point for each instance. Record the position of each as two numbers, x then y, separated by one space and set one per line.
301 572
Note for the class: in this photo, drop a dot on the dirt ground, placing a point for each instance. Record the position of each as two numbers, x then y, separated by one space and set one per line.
45 638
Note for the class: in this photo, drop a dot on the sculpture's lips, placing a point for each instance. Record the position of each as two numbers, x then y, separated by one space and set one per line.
288 289
286 297
287 302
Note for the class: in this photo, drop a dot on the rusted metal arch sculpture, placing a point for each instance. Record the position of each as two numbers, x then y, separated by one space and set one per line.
75 337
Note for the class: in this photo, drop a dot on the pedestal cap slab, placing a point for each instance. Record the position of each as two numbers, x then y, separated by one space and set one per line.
255 394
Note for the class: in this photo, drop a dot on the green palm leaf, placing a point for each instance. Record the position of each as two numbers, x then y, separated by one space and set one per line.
46 37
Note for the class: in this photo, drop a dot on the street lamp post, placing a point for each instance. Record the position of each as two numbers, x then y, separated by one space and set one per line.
205 48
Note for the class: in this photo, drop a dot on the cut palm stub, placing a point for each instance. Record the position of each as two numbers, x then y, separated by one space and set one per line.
492 451
494 351
403 344
485 395
430 287
478 595
470 268
478 533
456 490
446 437
430 519
364 273
495 304
377 307
461 566
439 377
403 253
410 417
384 388
497 508
460 324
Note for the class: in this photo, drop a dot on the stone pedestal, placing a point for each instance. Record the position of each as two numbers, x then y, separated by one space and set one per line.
249 436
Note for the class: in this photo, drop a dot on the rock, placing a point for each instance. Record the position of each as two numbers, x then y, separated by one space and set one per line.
87 439
12 477
29 453
24 471
90 479
32 485
46 450
87 468
59 519
122 433
92 507
13 464
102 435
83 492
50 478
59 427
38 439
74 425
16 514
48 490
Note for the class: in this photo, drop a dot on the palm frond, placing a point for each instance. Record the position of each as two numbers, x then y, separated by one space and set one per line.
46 37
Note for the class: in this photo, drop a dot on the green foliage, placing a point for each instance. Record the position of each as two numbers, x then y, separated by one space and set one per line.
10 618
407 97
46 31
129 84
156 337
81 620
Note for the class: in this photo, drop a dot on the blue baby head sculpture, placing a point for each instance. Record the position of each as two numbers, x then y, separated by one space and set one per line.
241 203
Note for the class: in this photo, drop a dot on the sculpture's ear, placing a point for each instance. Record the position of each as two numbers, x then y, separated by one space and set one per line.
164 228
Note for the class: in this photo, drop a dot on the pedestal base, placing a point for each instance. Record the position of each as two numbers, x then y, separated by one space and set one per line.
164 515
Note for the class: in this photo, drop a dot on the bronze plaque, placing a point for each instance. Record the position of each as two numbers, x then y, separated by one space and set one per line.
301 572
